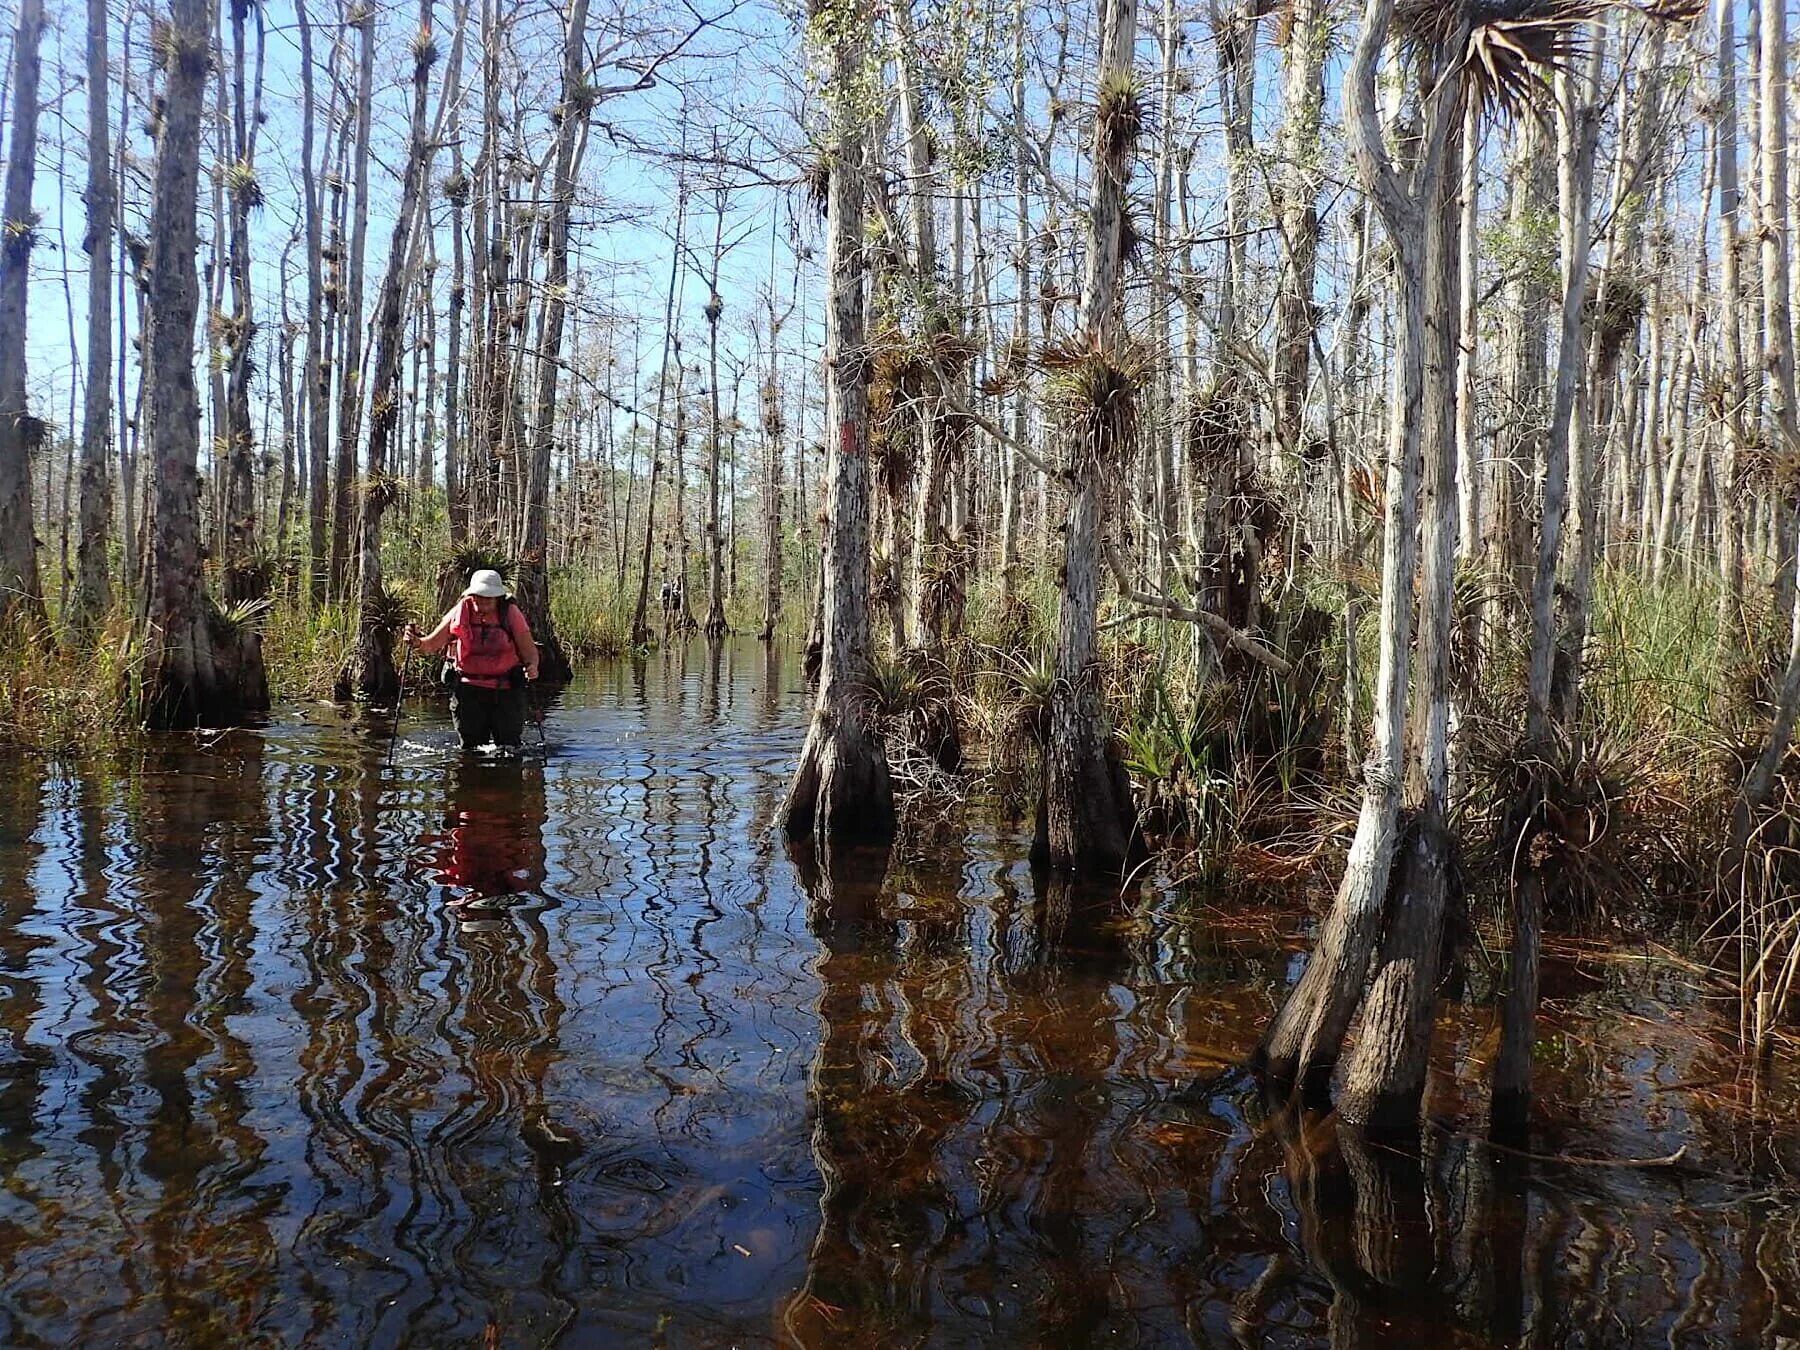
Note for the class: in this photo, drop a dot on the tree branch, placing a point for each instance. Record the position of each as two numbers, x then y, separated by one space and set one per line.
1235 638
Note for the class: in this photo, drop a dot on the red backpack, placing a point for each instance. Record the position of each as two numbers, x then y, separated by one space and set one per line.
485 651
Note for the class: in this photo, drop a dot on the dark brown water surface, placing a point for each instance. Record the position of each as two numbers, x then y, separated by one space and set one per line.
301 1047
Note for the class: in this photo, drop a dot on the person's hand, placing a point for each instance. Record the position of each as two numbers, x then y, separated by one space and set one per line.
410 635
531 672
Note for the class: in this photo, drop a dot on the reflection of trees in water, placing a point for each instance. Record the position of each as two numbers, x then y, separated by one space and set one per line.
25 1215
292 1076
1005 1152
843 1271
103 920
1080 955
197 821
1467 1243
917 1058
322 804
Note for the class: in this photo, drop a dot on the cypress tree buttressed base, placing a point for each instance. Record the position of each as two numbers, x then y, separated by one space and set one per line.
1302 1044
841 793
532 595
1384 1081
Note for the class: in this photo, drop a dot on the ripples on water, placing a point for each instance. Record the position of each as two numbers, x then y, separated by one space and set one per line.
298 1046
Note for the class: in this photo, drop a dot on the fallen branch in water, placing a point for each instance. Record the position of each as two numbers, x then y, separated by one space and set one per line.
1570 1159
1574 1160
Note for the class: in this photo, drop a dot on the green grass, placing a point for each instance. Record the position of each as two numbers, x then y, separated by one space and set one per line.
592 616
58 699
1654 653
304 649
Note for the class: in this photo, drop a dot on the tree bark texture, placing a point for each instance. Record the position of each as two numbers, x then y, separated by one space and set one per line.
20 433
571 134
183 686
92 596
1088 823
841 793
1303 1043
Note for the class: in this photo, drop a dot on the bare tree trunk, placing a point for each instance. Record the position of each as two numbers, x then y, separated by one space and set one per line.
841 792
1016 364
1385 1077
456 189
284 360
640 619
93 586
1526 377
1231 561
1774 225
20 433
486 330
1303 1043
1575 132
715 543
1575 158
681 617
127 277
774 429
571 136
242 582
371 671
317 379
1087 823
1732 631
1469 469
181 686
425 329
1680 397
1302 151
350 392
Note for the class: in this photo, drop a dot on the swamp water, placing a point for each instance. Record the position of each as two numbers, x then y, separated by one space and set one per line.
301 1046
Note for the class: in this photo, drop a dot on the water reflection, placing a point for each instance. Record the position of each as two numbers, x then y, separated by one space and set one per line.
492 845
300 1046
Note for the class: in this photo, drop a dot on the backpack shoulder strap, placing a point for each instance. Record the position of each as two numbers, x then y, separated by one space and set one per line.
505 616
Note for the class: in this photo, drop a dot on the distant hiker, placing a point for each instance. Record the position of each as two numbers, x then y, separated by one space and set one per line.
493 659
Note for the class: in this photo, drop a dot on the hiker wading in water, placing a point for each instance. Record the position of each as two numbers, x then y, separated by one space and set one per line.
494 657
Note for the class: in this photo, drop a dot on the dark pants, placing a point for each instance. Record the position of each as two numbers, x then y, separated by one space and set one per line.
484 715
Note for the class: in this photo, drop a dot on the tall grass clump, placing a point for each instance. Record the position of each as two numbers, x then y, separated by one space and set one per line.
60 698
1178 751
1758 928
592 615
1229 759
1027 622
1654 654
306 649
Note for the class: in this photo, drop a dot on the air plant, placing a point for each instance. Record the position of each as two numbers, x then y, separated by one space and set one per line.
1096 388
1121 115
817 181
475 556
243 184
390 609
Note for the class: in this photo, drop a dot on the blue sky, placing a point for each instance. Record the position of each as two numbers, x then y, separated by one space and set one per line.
748 75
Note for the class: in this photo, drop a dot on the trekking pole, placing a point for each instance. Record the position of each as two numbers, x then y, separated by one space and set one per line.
537 712
399 703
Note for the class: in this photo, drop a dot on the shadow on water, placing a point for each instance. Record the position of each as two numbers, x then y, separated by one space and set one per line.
301 1043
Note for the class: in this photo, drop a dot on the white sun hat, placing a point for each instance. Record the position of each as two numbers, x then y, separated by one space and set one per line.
486 582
